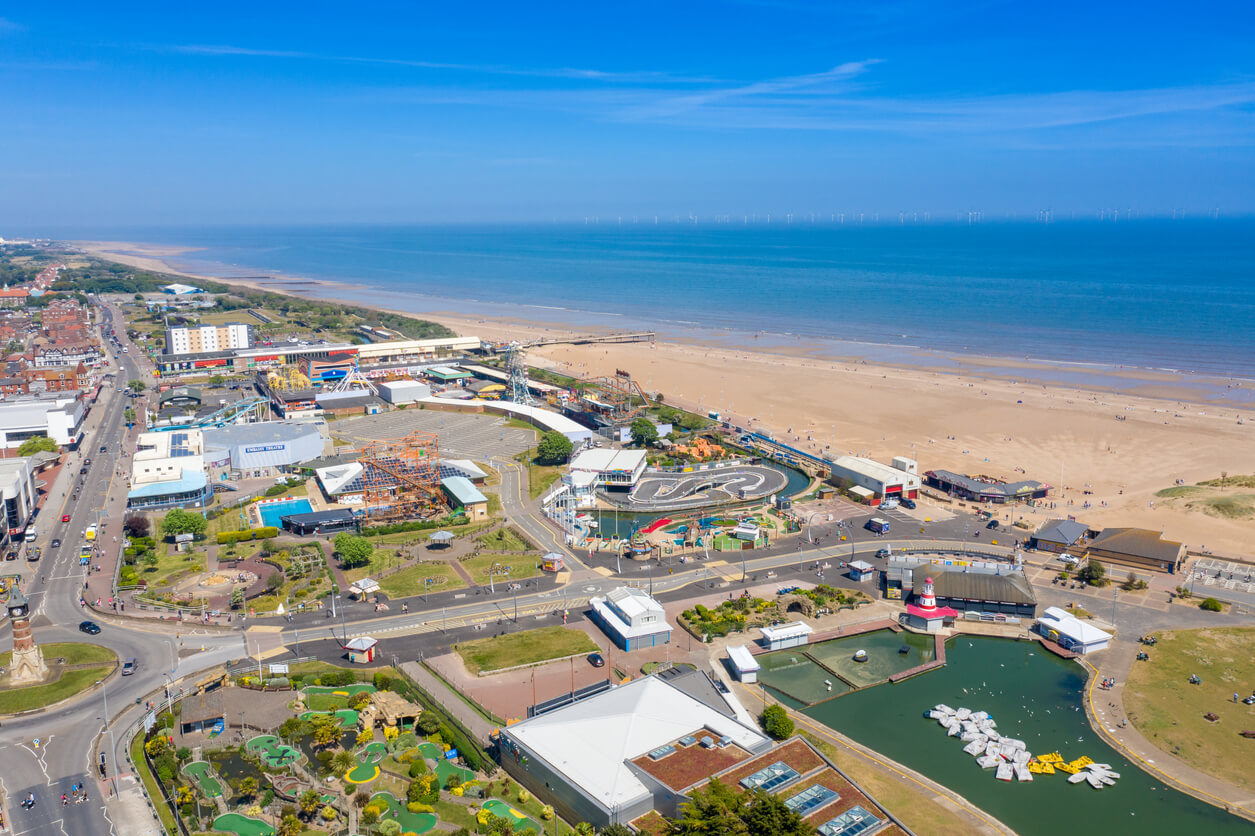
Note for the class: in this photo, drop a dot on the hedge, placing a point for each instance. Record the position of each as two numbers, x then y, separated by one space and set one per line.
415 525
263 533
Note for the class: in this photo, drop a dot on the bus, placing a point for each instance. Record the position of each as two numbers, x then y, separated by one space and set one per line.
90 533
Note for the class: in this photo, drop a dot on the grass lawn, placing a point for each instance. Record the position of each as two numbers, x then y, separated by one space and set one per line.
523 566
540 477
504 540
410 582
38 696
383 558
525 648
171 564
74 653
1169 711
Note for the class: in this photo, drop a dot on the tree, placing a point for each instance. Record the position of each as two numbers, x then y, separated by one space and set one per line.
237 597
37 444
128 415
326 729
151 559
643 431
428 722
554 448
178 521
389 827
309 803
616 829
354 551
136 385
1211 605
136 525
584 829
289 826
776 722
248 787
217 380
343 762
719 809
767 815
1093 573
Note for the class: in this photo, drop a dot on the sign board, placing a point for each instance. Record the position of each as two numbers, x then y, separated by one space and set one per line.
279 669
265 448
451 754
150 720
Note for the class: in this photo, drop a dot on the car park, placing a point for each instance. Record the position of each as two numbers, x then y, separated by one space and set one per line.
91 628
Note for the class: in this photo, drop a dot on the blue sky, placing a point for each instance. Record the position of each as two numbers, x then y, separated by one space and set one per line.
319 112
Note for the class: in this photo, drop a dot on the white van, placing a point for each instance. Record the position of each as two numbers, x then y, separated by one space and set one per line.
889 504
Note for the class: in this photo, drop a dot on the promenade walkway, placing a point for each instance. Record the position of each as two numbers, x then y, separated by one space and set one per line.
449 701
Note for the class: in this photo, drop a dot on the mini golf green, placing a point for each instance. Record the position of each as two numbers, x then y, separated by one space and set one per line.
363 773
431 750
346 716
410 822
202 774
373 752
446 768
272 751
505 811
243 825
343 691
323 698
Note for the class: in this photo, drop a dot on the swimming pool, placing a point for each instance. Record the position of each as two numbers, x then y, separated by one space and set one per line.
272 511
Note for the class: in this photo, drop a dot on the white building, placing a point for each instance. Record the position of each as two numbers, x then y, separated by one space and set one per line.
17 488
631 618
744 665
793 634
582 755
168 470
262 449
399 392
899 480
60 419
1070 632
202 339
610 468
181 289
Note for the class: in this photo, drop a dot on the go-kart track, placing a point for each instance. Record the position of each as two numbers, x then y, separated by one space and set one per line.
671 491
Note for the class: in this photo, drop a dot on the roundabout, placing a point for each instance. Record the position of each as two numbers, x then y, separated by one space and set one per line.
72 668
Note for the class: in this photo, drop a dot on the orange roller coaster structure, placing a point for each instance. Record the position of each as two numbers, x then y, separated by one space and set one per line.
610 401
401 478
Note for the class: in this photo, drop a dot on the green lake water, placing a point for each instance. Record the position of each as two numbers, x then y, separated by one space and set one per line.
804 675
1037 697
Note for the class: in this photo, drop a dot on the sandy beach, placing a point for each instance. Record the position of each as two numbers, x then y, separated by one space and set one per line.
1122 445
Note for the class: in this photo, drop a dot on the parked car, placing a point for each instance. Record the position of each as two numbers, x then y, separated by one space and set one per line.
91 628
908 503
992 524
596 660
883 553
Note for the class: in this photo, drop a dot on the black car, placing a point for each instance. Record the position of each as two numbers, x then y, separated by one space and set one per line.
908 503
104 449
91 628
992 525
596 660
56 543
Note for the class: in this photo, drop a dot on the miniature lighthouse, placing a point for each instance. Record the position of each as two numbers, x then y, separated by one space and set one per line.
27 665
927 598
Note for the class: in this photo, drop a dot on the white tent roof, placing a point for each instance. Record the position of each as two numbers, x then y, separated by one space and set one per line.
606 460
742 658
625 723
335 478
1072 627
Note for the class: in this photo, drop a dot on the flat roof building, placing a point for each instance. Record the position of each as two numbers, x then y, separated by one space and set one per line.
17 489
263 449
881 479
319 522
1070 632
585 756
610 468
631 618
397 392
466 496
744 667
793 634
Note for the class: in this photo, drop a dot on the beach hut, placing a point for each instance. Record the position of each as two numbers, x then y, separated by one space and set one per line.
361 650
744 667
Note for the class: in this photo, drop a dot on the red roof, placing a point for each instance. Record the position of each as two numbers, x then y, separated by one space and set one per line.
936 612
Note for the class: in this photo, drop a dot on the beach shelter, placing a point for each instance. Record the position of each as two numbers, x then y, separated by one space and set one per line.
441 538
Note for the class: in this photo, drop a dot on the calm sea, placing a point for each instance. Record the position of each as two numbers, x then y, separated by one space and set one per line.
1150 293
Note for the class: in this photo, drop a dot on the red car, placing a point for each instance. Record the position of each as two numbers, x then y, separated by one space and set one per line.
65 518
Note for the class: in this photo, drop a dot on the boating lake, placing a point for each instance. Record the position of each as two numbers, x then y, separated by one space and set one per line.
1034 696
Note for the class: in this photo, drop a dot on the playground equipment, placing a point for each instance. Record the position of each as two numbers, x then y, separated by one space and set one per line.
286 379
401 478
609 401
701 448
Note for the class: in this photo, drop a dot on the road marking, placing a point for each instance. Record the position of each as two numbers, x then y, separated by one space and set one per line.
40 755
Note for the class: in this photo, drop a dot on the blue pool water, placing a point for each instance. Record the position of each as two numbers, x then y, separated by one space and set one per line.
271 512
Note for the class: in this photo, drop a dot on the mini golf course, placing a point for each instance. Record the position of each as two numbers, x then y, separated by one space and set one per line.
367 768
324 698
242 825
446 768
346 716
272 751
410 822
503 810
430 750
203 775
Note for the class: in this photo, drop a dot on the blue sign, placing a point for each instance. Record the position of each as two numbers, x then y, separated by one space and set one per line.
451 754
265 448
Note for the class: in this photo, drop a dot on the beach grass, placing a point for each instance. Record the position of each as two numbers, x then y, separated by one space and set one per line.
1233 507
525 648
1168 711
1180 492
